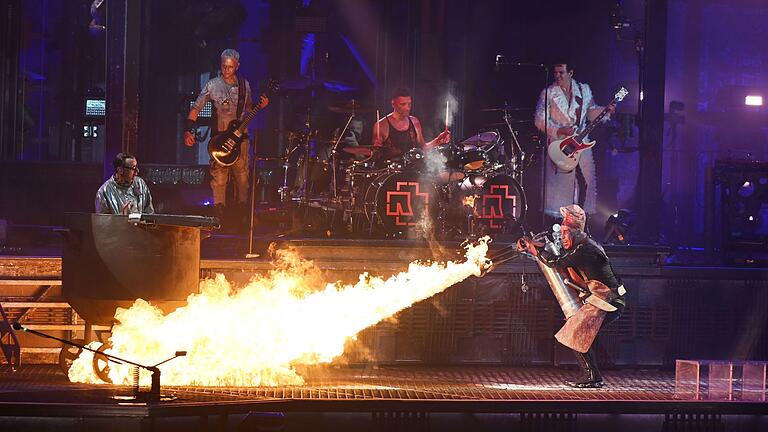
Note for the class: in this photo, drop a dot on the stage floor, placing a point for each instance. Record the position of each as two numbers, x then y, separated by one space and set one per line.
386 398
47 384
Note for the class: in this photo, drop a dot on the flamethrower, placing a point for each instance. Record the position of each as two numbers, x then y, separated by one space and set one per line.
569 294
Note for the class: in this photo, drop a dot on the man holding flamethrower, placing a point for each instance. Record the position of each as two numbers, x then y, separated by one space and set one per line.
583 281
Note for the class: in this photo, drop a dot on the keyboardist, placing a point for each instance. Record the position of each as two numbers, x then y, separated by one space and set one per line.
124 192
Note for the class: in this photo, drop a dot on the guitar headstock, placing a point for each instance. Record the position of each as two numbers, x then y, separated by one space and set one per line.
621 94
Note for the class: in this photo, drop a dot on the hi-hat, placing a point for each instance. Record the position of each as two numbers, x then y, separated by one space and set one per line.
361 150
351 106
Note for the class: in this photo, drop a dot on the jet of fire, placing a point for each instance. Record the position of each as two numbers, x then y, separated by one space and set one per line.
254 335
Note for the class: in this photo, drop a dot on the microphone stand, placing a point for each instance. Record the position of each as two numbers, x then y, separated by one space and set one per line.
255 161
501 61
154 393
304 199
336 146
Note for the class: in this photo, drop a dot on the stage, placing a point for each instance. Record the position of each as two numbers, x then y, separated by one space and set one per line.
479 355
403 397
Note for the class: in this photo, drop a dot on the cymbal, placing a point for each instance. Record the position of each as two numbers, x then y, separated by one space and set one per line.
480 139
351 106
508 109
361 150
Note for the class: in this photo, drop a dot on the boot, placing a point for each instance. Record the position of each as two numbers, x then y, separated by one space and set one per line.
590 376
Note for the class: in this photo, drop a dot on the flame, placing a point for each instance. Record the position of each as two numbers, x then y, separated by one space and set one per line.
469 200
254 336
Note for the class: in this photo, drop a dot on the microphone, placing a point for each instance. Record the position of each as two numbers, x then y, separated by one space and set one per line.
17 326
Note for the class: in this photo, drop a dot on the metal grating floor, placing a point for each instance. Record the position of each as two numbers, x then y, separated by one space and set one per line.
391 382
473 383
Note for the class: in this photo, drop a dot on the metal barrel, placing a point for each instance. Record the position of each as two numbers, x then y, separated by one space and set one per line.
566 297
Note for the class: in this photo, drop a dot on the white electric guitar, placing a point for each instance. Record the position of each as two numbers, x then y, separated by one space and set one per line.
565 153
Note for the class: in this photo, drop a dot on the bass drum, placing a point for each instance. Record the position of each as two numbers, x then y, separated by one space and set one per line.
402 202
496 203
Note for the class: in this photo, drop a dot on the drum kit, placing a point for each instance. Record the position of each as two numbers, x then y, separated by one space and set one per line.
456 190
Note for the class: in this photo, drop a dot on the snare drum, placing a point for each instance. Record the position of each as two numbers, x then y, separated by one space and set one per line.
480 150
473 158
412 160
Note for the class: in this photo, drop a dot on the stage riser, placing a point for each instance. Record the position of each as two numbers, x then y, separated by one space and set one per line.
490 320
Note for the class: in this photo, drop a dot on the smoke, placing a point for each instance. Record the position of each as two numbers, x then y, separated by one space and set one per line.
434 162
448 100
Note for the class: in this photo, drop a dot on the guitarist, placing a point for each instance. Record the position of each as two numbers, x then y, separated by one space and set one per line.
231 97
562 110
586 261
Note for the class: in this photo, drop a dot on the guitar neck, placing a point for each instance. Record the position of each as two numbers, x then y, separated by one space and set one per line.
593 124
247 119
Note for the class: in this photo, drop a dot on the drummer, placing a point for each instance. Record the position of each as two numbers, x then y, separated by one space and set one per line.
399 131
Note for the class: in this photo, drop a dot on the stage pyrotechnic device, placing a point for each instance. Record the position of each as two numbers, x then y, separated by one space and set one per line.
154 393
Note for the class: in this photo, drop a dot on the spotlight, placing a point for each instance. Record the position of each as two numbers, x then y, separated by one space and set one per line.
617 226
746 190
753 100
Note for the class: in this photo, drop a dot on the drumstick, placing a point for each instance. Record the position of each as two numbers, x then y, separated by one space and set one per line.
446 114
378 127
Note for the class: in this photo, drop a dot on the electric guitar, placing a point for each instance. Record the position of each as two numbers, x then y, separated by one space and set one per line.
565 153
224 148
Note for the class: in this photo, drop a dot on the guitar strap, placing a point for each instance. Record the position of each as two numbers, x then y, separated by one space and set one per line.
241 96
580 101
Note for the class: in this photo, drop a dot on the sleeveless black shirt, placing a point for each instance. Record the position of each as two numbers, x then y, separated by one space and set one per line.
399 142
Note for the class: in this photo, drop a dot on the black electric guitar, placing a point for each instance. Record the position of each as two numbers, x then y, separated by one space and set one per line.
224 148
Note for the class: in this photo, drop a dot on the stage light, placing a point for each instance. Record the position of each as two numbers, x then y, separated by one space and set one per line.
95 107
618 226
206 112
747 189
753 100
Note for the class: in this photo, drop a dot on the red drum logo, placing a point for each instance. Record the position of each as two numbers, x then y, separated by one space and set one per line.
401 202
